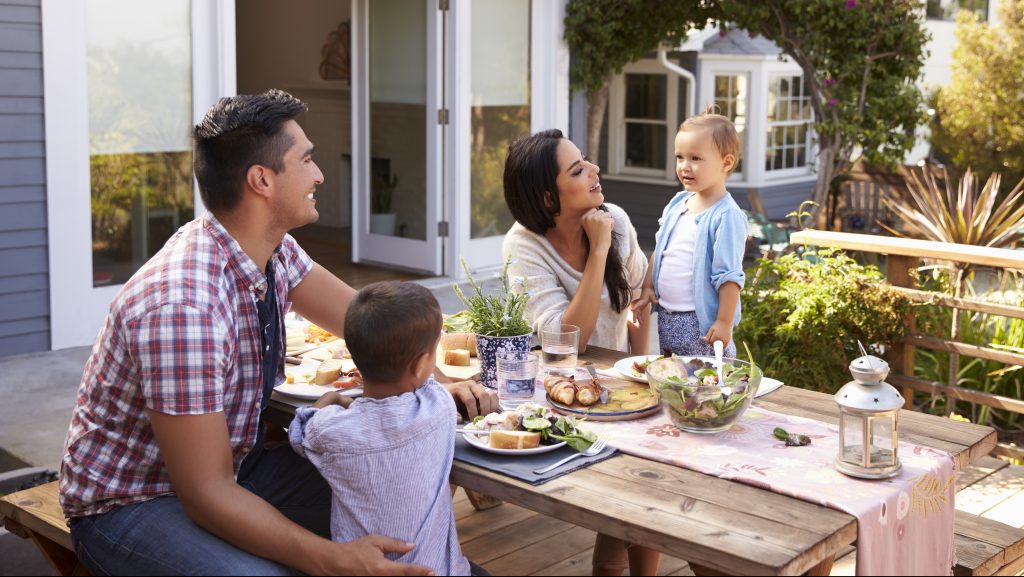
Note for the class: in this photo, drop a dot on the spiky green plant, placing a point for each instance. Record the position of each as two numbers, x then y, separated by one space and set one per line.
962 215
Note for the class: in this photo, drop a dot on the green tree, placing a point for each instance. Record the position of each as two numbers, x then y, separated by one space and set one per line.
980 120
860 59
605 35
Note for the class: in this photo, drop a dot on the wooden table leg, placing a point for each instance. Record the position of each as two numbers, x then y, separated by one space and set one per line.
823 568
702 571
482 502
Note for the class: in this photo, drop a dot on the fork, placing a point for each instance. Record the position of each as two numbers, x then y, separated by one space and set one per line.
594 449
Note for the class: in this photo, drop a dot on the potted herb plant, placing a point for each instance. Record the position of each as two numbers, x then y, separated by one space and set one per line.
499 322
382 219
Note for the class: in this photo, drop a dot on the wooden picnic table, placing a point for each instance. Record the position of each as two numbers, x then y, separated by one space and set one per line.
720 526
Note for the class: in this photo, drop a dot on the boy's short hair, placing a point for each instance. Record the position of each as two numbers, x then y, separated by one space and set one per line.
722 131
236 133
388 325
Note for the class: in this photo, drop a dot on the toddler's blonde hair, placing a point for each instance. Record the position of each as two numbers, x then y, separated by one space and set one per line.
722 131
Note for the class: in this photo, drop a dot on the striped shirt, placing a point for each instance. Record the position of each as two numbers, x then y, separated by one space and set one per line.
181 338
387 461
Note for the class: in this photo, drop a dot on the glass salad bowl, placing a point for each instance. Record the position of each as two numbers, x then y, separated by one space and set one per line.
689 390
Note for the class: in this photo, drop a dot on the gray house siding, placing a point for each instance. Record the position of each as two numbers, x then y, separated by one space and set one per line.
645 202
24 274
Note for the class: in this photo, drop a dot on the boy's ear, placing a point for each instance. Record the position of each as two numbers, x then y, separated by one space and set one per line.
422 365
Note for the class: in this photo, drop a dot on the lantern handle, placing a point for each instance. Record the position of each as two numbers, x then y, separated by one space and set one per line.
862 351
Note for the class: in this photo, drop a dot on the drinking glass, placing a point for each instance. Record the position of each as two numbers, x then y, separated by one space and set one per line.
517 379
560 347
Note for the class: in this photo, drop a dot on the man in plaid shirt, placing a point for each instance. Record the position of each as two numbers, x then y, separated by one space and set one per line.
165 468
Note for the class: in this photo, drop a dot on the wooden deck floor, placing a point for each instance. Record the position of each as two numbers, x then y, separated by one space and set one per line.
510 540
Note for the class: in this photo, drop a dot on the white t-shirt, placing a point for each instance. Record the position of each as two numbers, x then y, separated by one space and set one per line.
675 283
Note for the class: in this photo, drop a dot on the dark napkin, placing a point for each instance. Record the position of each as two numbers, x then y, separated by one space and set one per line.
521 467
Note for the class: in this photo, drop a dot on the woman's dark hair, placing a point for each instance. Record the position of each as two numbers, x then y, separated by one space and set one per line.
531 170
388 325
235 134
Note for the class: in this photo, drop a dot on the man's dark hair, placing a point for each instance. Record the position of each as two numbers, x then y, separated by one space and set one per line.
388 325
531 170
237 133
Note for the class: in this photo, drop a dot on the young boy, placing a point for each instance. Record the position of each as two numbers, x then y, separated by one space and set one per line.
387 456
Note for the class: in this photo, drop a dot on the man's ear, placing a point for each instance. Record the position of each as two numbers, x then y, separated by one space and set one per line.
259 179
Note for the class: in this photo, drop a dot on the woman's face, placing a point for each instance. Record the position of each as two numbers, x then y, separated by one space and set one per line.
579 187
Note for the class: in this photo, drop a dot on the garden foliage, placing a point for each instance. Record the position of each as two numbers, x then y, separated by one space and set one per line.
803 315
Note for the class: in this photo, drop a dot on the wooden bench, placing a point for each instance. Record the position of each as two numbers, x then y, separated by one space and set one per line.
983 546
36 514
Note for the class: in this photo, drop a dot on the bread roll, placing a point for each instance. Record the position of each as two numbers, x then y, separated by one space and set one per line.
452 341
457 358
327 372
514 439
561 390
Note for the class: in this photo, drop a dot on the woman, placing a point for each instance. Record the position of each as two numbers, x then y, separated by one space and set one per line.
581 263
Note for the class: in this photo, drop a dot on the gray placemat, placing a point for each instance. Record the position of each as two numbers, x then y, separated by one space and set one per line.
521 467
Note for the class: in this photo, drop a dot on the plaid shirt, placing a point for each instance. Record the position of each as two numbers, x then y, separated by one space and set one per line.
181 338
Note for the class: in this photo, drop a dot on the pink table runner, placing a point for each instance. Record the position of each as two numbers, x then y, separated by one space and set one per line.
904 524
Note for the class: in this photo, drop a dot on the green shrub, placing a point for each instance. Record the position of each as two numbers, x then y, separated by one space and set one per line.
803 315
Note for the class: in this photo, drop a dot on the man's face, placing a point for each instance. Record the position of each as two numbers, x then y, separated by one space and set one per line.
295 185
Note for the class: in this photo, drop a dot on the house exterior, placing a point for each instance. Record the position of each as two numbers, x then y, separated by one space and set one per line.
97 98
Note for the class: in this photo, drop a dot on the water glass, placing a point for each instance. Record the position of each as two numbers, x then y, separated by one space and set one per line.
517 379
560 346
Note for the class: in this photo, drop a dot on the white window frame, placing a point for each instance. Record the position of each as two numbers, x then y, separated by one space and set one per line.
77 308
759 68
808 159
617 122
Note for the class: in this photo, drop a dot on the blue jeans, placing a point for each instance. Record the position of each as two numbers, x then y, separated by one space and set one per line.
157 537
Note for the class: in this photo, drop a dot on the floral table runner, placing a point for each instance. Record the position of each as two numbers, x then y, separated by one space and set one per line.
904 524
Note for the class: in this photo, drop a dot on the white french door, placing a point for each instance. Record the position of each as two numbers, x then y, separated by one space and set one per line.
124 83
398 138
511 78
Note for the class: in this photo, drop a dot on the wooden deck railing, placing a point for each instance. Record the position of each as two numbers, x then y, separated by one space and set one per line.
905 255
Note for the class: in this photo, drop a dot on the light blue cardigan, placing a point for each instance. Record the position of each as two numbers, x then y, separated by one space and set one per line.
717 254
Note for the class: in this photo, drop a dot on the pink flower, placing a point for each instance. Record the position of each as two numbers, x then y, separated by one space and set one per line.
832 102
851 4
830 81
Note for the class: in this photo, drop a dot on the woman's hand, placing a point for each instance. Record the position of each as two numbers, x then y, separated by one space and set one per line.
644 302
599 224
720 331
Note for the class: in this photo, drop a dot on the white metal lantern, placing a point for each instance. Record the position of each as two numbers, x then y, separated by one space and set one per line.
868 414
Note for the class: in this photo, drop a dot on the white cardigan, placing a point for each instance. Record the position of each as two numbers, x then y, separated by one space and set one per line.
552 282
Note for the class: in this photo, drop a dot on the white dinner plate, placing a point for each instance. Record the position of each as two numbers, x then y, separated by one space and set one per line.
480 442
312 392
767 385
625 367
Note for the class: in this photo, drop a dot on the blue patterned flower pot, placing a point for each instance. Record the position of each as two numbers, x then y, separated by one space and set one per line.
490 348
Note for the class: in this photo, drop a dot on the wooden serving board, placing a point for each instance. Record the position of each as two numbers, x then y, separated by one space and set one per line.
466 373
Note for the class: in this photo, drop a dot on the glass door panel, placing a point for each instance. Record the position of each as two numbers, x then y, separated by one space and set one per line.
396 139
499 98
139 76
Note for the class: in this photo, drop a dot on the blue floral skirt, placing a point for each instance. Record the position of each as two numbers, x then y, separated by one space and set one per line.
680 334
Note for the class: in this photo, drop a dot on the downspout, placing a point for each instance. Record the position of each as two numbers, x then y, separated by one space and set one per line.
691 86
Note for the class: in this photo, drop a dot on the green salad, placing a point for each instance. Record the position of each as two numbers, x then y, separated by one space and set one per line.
695 398
539 419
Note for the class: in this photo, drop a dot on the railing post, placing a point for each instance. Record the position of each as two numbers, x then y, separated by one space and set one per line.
901 356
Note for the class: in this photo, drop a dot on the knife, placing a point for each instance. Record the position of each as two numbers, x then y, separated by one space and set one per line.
589 365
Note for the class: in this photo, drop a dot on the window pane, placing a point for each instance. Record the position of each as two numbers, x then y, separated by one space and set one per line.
646 146
801 156
398 117
722 86
500 93
139 67
645 96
